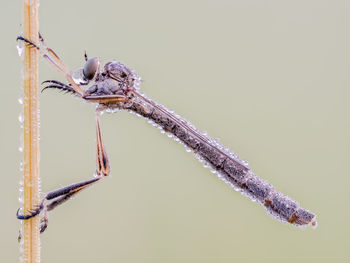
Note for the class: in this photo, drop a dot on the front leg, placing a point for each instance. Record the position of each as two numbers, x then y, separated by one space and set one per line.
48 54
59 196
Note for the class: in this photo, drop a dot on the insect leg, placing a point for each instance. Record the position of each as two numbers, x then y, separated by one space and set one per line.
102 163
48 54
52 54
59 196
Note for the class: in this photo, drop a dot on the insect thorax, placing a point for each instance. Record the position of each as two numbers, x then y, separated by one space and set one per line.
116 79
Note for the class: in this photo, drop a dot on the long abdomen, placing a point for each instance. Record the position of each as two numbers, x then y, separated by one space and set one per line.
223 162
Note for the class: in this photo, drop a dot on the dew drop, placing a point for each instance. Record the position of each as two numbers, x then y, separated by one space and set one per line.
21 118
78 76
112 110
20 48
245 162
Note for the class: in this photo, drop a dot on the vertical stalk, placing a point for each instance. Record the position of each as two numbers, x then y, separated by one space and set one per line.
31 183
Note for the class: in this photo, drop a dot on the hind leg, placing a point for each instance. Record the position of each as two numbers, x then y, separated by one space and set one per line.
61 195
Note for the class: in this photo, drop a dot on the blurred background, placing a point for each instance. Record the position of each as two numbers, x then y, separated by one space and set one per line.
269 78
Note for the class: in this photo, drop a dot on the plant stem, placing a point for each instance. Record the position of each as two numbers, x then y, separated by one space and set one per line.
31 235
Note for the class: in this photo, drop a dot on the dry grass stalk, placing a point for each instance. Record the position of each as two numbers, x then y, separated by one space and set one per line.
31 236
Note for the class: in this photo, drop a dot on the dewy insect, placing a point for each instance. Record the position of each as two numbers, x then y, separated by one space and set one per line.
116 87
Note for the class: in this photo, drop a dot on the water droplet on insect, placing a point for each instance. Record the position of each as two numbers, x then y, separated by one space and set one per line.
214 171
188 150
20 100
111 110
78 76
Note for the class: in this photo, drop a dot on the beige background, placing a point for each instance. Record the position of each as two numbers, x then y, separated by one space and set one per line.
270 78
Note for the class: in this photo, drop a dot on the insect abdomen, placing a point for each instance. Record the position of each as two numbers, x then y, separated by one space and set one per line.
223 162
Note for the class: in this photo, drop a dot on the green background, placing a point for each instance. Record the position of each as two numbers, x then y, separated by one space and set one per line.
269 78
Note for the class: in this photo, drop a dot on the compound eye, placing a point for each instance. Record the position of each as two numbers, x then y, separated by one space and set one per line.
90 68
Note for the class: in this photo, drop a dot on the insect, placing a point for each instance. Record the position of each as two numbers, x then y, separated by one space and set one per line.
116 87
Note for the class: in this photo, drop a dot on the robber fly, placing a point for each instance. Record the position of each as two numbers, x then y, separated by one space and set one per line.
116 87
